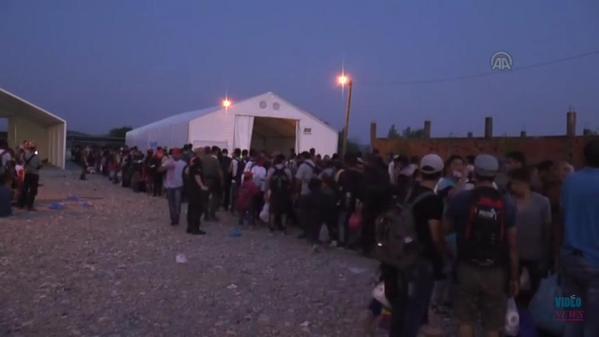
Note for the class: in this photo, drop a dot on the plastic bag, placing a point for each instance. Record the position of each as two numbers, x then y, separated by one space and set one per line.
265 213
323 235
542 307
525 279
512 318
378 293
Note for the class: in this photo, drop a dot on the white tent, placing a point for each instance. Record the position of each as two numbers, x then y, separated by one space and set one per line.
27 121
265 123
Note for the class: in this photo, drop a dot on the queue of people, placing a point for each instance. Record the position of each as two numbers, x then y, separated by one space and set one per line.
460 235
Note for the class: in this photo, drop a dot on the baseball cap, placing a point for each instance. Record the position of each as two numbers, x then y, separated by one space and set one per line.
431 164
486 165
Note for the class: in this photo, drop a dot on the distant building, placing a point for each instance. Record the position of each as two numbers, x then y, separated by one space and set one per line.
27 121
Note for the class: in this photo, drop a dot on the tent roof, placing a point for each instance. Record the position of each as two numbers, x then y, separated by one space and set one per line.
11 105
191 115
179 118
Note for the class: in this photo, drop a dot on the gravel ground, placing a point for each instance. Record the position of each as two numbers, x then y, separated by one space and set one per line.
105 265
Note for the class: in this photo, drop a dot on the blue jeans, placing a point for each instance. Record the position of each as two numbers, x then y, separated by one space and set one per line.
173 195
581 279
410 298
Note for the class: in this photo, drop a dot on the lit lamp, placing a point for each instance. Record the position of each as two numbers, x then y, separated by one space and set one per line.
344 80
226 103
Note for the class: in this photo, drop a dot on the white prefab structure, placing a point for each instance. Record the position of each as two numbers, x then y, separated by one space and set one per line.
265 123
27 121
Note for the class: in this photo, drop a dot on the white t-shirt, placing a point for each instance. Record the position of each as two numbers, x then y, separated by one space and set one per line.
174 173
259 175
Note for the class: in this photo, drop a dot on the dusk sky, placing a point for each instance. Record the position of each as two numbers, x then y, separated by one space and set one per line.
107 63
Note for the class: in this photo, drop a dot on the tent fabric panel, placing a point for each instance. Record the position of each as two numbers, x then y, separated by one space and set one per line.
214 129
244 126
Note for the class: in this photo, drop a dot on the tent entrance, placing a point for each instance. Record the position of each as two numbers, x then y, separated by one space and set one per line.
274 134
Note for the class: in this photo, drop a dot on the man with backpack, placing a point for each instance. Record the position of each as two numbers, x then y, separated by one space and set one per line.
279 185
484 221
410 245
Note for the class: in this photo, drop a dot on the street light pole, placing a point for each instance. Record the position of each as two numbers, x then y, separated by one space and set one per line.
347 114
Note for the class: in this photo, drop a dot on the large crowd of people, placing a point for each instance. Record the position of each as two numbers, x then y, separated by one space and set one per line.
459 235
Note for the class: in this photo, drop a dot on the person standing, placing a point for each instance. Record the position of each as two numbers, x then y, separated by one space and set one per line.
195 190
173 166
32 166
214 179
225 162
236 172
348 181
5 158
533 222
6 195
305 172
157 174
279 182
259 174
409 290
377 196
85 163
579 258
484 221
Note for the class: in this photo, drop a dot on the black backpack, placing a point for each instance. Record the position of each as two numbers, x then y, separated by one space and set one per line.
280 182
397 242
240 167
484 240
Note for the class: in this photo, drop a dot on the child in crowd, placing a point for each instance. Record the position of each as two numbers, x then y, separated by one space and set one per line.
246 205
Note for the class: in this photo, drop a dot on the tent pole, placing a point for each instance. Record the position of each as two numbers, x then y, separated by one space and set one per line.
346 128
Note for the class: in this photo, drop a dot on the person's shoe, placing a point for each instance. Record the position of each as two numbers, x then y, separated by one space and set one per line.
198 232
315 248
174 223
333 244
